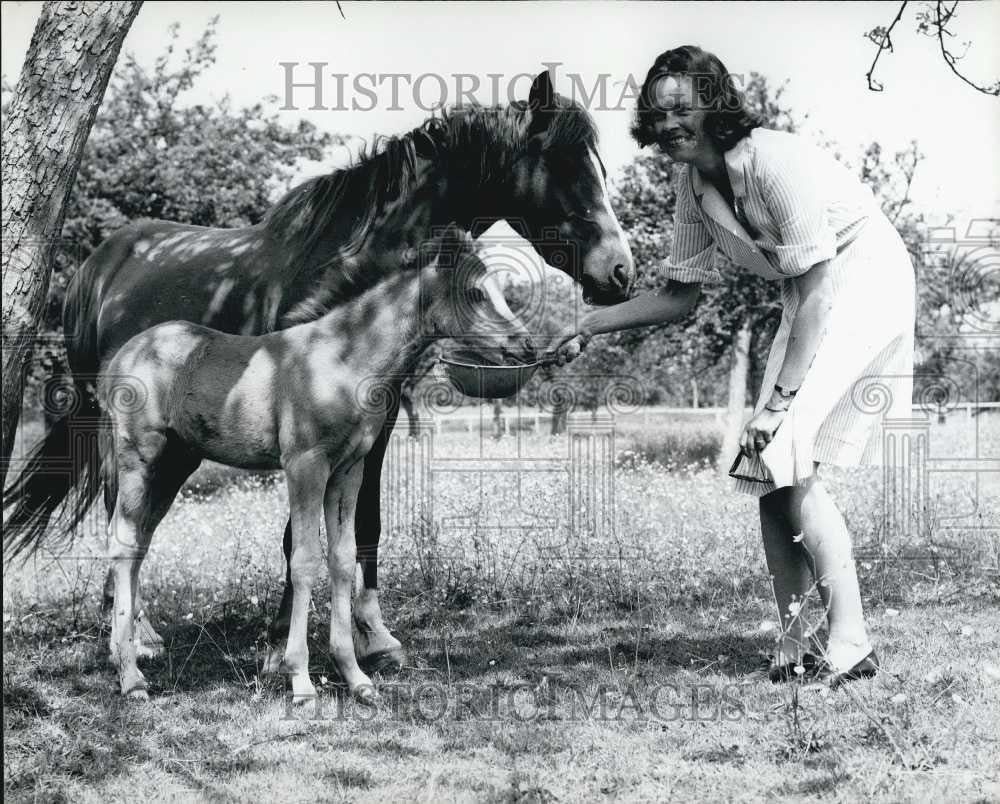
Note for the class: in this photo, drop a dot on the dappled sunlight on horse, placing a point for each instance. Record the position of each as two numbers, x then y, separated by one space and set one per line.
311 399
534 164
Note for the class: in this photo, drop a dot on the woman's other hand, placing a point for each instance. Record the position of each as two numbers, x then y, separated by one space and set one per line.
760 430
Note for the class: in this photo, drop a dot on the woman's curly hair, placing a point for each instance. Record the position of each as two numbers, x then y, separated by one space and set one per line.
728 120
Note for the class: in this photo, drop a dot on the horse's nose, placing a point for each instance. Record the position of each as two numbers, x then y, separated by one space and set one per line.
620 277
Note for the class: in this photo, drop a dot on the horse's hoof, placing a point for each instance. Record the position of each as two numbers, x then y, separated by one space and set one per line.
134 687
365 694
385 662
379 651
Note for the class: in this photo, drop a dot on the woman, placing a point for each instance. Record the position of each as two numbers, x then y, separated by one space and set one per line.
787 211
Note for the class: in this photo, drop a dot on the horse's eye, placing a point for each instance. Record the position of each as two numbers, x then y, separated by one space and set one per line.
585 214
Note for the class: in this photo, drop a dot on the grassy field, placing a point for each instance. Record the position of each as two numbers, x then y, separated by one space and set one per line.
544 664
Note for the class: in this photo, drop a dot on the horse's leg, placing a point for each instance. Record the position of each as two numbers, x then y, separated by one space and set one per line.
127 545
278 633
148 643
149 474
339 503
376 647
307 477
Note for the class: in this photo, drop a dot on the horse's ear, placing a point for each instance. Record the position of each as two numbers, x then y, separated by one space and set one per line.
541 102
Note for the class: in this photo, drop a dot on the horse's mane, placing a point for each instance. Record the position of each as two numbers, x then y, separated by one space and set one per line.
338 211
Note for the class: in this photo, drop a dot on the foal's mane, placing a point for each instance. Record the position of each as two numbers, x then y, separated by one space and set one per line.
335 214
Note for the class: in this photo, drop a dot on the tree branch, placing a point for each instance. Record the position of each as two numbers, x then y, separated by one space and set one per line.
932 21
941 23
885 43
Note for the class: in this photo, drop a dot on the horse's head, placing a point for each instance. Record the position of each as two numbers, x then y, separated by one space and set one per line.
559 198
461 299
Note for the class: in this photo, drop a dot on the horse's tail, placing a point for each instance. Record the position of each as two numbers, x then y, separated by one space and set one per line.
61 473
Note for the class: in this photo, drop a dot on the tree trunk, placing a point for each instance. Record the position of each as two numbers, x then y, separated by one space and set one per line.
66 70
736 406
694 393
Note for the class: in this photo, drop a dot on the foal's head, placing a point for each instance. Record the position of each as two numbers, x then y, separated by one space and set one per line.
461 299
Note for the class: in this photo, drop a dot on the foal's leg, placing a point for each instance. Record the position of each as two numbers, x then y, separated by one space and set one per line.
150 472
278 635
339 504
148 643
127 545
307 476
376 647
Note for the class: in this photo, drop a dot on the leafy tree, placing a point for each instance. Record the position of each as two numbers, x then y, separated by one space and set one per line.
150 155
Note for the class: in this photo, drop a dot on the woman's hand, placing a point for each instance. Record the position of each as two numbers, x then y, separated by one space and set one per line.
760 430
569 344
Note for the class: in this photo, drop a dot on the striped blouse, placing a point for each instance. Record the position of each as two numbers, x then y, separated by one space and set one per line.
797 205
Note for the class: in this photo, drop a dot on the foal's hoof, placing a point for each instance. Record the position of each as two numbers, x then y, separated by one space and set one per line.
134 686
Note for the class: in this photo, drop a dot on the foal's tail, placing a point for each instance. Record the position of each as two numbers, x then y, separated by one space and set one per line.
62 473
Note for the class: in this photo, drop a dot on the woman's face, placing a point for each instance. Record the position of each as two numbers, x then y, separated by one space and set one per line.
679 120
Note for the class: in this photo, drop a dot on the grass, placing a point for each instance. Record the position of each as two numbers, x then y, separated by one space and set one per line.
545 664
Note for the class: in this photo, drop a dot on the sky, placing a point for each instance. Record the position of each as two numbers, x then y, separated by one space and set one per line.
818 47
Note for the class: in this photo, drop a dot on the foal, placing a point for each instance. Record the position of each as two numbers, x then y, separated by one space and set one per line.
308 400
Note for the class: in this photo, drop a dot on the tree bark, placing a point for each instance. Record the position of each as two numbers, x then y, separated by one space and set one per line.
66 70
735 409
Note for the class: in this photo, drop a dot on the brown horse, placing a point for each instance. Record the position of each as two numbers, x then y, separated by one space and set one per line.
533 164
303 399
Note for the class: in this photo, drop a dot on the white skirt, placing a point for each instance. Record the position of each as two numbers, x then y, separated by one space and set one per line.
862 374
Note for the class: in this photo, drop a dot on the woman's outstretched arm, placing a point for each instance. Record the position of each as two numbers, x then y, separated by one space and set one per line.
670 304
